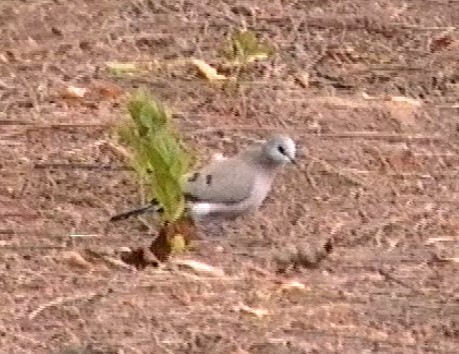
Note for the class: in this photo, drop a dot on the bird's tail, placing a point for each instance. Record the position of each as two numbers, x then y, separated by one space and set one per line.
152 206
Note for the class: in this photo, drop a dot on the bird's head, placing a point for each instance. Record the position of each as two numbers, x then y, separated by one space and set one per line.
280 149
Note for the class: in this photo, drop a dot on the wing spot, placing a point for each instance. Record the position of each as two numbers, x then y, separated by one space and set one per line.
209 180
194 177
191 198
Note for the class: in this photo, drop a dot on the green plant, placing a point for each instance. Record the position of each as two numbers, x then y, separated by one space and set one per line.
245 47
158 154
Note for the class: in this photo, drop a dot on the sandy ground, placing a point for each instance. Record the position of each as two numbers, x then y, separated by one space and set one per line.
369 90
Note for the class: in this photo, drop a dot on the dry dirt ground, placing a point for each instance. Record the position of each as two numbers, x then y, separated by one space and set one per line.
368 89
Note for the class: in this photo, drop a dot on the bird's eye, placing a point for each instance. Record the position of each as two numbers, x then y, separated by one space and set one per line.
281 149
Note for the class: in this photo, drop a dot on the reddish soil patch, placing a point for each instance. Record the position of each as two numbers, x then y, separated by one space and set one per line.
380 174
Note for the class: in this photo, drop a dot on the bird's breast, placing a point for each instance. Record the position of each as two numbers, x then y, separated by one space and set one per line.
261 189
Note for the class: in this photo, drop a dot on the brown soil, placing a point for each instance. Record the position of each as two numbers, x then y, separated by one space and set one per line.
379 174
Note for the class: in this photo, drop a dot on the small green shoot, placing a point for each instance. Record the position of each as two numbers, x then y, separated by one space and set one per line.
245 47
120 69
158 155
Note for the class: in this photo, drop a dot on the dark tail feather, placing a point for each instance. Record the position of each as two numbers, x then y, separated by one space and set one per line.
152 206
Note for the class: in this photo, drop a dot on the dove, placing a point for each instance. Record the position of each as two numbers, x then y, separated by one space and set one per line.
229 187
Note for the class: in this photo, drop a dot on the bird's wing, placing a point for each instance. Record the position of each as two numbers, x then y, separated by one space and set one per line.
224 181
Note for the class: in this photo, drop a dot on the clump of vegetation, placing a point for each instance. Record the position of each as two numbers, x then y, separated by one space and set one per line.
161 161
244 48
158 154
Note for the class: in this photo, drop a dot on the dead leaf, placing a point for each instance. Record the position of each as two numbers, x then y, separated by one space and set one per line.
366 96
255 57
163 245
447 259
106 90
308 255
433 240
91 95
74 258
407 100
72 92
199 267
118 150
207 71
240 351
258 312
140 258
441 43
303 79
178 244
83 235
115 262
293 285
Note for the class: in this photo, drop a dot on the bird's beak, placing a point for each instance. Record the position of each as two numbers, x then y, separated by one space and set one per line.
293 161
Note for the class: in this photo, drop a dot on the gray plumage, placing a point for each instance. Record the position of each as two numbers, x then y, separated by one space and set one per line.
233 186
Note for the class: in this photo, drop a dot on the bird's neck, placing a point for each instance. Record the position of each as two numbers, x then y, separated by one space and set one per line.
259 157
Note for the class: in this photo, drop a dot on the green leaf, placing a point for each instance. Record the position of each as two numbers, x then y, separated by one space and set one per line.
159 156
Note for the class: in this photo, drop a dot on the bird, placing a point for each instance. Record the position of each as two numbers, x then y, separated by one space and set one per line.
233 186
